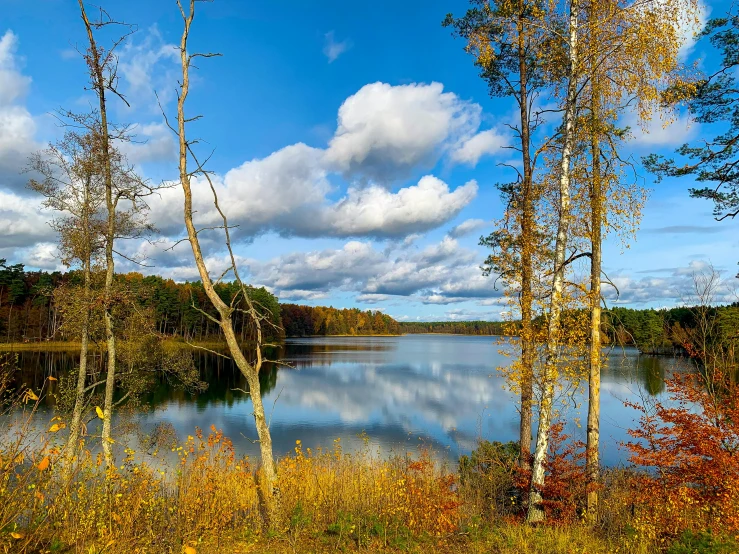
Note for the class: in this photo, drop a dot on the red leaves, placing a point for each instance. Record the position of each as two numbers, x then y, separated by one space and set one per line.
691 450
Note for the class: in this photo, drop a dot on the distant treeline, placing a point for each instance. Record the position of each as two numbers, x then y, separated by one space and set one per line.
29 313
30 309
304 321
454 327
664 331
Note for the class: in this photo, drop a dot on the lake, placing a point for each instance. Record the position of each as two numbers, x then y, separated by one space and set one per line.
398 393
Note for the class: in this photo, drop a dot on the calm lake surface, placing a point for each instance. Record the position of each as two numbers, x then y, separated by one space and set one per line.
438 391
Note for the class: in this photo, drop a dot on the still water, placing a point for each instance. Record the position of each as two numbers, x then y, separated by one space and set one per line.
400 393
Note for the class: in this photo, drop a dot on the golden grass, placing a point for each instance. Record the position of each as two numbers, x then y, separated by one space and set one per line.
57 346
199 496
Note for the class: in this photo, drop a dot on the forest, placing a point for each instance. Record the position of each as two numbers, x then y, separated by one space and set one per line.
31 310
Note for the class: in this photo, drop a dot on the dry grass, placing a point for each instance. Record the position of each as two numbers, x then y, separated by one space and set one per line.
45 346
198 496
206 499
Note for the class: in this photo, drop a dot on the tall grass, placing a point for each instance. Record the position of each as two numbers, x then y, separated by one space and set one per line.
198 496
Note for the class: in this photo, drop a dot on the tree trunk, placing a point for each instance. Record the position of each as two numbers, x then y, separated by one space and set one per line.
268 485
98 81
536 511
596 211
527 246
70 449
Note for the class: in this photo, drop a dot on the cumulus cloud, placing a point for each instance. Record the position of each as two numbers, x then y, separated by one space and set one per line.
375 211
319 271
17 126
44 255
23 222
441 273
332 48
483 143
386 131
677 287
154 142
287 193
13 84
657 132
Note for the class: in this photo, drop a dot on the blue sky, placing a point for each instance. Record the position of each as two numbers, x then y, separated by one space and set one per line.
355 146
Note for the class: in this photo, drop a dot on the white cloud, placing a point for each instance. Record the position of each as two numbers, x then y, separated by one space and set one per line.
375 211
658 132
44 255
17 126
370 298
23 222
319 271
690 29
147 66
386 131
483 143
153 142
13 84
302 295
287 193
467 227
676 287
333 49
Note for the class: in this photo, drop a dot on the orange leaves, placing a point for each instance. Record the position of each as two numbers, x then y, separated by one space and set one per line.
691 443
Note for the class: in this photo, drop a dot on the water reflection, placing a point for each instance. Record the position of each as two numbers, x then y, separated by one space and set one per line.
435 390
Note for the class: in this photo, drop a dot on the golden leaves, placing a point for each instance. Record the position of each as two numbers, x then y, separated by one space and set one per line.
57 427
16 535
29 395
43 465
99 412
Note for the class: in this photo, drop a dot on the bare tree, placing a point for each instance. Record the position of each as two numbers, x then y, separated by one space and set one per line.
120 181
70 180
250 368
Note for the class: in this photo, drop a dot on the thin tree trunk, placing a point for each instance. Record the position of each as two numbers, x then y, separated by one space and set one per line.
70 450
596 211
536 511
99 86
250 371
527 240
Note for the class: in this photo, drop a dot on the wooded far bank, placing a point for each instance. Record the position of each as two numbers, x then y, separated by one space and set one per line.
33 304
